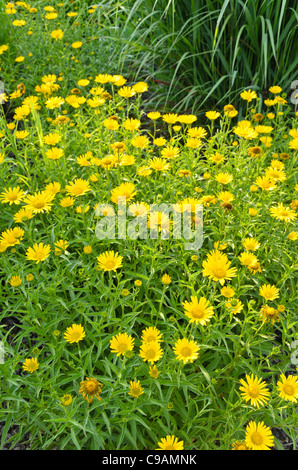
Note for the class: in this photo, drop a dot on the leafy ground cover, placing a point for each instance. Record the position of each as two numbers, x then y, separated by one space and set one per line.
138 342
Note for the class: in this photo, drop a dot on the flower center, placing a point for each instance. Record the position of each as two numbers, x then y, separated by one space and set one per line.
186 351
39 254
197 312
11 240
151 338
150 353
76 335
257 438
219 273
122 347
289 389
284 213
253 391
39 205
110 264
91 387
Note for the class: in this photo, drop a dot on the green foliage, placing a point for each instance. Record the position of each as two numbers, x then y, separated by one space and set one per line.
204 52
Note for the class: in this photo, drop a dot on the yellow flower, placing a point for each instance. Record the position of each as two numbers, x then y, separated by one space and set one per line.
78 188
74 333
76 45
248 95
226 197
170 443
288 388
187 118
254 390
12 236
124 190
227 292
21 134
19 23
140 87
131 124
83 82
90 388
239 445
54 153
230 111
66 400
51 16
103 78
283 213
224 178
244 129
166 279
53 188
258 436
75 101
263 129
251 244
67 201
57 34
15 281
118 80
234 306
269 314
30 365
39 252
140 141
293 236
193 142
212 115
52 138
154 372
159 164
186 350
170 118
269 292
207 200
12 195
109 261
3 48
39 202
154 115
216 158
248 259
111 124
135 389
151 334
170 152
275 89
198 311
121 344
252 211
60 246
54 102
217 267
151 351
265 183
126 92
254 151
